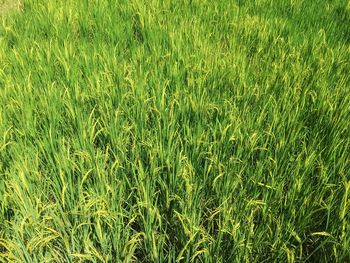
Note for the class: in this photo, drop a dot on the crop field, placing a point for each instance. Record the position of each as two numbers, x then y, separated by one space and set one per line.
175 131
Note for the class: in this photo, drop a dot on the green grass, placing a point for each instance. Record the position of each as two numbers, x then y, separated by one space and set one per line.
175 131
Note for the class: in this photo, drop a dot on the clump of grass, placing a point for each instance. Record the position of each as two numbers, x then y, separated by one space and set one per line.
175 131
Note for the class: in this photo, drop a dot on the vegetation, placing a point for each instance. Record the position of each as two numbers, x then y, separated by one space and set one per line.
175 131
7 6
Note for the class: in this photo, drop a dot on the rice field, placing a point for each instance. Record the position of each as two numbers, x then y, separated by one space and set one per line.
175 131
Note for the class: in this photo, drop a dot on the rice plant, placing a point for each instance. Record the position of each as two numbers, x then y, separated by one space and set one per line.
175 131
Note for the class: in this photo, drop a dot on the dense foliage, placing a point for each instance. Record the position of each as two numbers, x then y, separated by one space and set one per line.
187 130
